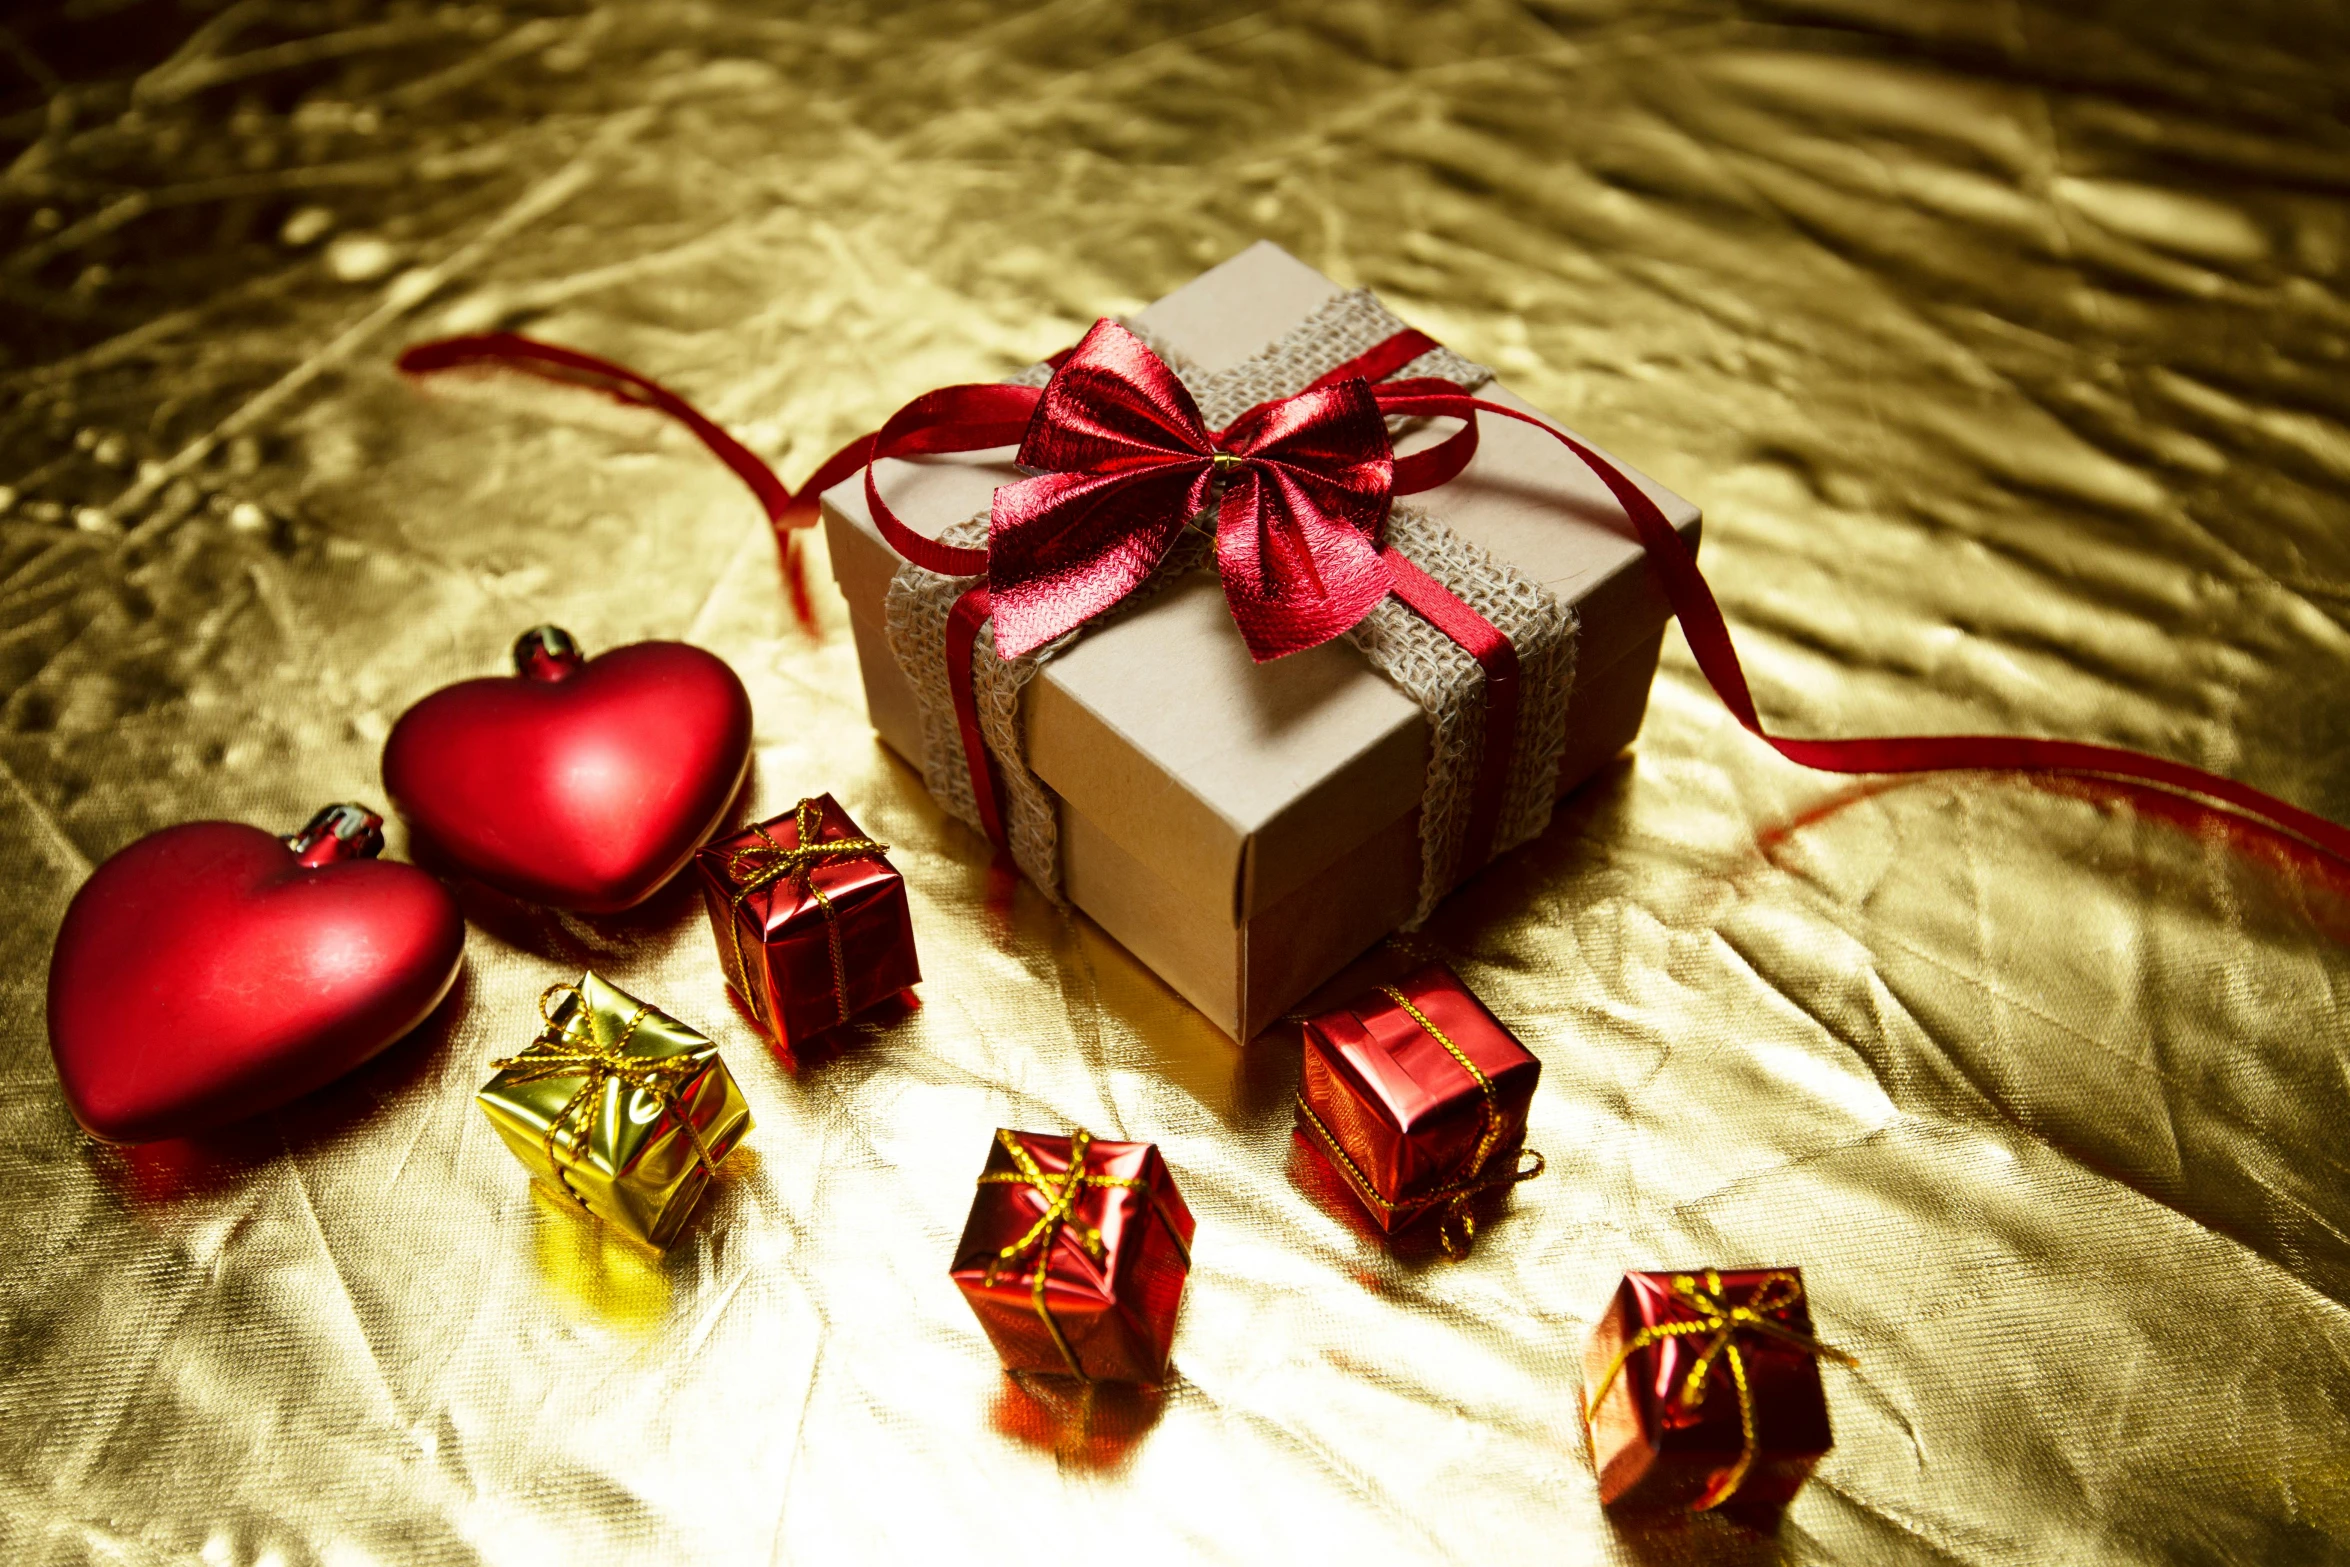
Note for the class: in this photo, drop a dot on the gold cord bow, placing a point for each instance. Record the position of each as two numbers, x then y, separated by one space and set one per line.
1060 1193
1469 1181
561 1052
1721 1323
758 866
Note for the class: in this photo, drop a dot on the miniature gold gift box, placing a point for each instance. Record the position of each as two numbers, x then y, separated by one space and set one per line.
618 1106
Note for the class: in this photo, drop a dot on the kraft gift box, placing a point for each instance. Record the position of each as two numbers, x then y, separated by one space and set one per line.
1247 829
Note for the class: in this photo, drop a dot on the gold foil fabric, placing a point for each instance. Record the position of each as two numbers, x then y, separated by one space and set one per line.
2006 347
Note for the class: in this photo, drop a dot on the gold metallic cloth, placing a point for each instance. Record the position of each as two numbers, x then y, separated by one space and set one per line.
2007 347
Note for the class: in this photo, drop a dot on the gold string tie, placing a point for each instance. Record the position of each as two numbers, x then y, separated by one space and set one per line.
1058 1219
561 1052
758 866
1475 1175
1721 1323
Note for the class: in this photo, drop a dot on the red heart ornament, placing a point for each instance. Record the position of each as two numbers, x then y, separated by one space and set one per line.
209 971
578 783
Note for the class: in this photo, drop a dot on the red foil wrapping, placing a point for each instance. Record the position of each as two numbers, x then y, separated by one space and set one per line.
1419 1114
811 920
1075 1255
1657 1448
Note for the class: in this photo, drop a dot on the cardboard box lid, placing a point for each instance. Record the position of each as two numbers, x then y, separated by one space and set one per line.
1236 780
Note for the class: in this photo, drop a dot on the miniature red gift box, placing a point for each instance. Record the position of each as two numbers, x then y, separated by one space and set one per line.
811 920
1075 1255
1707 1393
1418 1096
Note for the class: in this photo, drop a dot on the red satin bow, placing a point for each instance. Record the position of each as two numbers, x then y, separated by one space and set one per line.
1125 463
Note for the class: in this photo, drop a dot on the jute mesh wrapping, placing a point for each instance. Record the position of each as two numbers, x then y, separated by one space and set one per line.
1434 671
1428 666
918 604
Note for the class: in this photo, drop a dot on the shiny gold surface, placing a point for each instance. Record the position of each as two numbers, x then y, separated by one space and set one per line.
2004 345
636 1152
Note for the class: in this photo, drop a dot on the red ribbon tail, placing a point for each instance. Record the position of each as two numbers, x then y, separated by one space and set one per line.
795 582
569 367
1708 635
803 510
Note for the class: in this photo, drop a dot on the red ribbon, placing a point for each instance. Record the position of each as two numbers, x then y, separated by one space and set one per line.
1297 534
621 384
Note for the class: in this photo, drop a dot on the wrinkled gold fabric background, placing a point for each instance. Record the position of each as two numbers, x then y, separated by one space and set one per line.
2007 348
